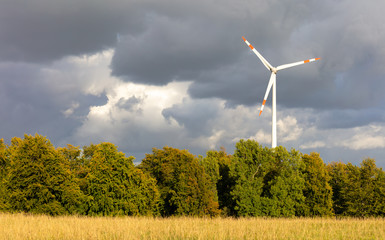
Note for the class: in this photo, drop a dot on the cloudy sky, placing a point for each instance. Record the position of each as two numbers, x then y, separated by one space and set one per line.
150 73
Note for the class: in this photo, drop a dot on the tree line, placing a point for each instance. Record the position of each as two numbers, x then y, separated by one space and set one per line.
98 180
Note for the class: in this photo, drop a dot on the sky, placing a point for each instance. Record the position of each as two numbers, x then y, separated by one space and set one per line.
149 73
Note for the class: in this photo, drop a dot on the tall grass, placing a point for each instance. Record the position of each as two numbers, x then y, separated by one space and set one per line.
20 226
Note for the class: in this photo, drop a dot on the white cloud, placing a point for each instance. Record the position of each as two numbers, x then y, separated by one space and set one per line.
89 73
315 144
261 136
367 137
289 130
67 113
137 123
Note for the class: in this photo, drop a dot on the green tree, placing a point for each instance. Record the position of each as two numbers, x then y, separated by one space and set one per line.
373 181
338 177
358 191
217 166
317 191
89 151
364 190
3 158
183 184
250 165
78 161
72 155
116 186
284 184
39 180
3 171
268 182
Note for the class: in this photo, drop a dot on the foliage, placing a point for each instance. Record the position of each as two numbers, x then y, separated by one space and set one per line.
39 180
72 155
78 161
217 166
284 184
373 186
337 172
183 184
358 191
3 170
364 190
267 182
115 185
317 191
3 158
255 181
251 164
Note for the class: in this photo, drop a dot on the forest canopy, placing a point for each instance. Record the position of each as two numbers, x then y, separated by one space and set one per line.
98 180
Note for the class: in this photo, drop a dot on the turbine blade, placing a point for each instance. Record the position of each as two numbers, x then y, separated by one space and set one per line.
271 82
263 60
296 63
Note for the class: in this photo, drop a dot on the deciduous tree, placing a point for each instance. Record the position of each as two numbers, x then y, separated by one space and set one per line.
268 182
318 192
364 190
39 180
358 191
217 166
338 175
3 171
116 186
284 184
182 182
250 165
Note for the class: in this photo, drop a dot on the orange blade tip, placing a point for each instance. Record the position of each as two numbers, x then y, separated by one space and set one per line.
317 59
260 113
244 39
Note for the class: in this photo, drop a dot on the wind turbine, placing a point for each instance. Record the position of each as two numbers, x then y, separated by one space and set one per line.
272 83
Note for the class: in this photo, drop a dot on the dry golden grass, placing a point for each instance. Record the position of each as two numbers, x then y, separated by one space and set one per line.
20 226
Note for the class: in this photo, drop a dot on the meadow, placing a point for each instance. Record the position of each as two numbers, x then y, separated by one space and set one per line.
24 226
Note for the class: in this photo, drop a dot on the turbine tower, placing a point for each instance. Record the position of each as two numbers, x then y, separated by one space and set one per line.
272 84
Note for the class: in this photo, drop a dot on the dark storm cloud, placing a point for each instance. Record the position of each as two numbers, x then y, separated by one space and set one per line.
350 74
201 37
196 41
45 30
196 117
350 118
29 105
237 84
189 44
200 41
346 155
170 50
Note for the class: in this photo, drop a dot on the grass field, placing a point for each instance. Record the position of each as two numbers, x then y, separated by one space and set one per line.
20 226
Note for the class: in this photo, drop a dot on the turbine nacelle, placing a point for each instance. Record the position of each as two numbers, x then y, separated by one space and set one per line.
274 70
